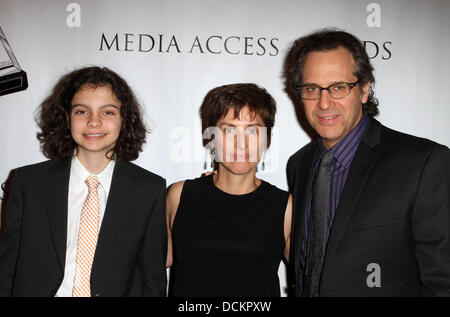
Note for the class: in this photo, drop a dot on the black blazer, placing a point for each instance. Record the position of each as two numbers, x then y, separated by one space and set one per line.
394 211
131 249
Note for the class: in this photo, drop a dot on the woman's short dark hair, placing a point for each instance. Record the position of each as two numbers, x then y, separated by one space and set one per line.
324 40
221 99
54 115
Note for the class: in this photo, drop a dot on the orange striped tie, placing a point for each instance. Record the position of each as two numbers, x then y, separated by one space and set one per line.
87 240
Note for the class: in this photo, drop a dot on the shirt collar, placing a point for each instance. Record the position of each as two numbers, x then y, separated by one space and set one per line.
80 173
345 150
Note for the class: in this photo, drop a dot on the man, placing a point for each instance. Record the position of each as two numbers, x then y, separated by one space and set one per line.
371 206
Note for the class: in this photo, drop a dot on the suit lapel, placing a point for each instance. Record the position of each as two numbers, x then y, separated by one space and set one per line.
120 196
360 169
113 204
56 197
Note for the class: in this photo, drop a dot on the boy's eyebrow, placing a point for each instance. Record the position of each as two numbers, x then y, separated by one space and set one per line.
104 106
79 105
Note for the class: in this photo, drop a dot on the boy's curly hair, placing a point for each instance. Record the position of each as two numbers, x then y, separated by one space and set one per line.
54 115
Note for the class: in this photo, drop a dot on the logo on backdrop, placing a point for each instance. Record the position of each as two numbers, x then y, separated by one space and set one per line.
378 50
213 44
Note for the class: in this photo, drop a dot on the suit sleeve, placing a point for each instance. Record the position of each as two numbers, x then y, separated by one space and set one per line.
431 223
153 265
10 239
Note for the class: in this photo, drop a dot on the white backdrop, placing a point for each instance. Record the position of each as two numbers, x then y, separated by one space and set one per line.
172 52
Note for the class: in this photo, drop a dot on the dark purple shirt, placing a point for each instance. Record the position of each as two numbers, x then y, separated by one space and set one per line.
343 153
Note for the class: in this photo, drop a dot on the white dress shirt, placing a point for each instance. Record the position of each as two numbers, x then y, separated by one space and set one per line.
78 191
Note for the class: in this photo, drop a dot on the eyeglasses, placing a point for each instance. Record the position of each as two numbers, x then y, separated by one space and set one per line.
336 91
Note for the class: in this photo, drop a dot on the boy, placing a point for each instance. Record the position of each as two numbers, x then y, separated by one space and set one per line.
87 222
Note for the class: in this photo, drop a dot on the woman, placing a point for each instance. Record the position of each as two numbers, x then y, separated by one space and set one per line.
228 231
87 222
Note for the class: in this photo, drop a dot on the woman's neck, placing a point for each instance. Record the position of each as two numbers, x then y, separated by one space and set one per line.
236 184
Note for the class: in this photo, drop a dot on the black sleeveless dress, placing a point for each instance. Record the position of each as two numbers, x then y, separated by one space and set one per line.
227 245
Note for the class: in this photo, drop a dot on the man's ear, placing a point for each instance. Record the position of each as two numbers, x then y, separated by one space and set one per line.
365 92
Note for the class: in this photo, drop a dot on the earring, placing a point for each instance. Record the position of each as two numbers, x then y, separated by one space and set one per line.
263 165
213 155
206 159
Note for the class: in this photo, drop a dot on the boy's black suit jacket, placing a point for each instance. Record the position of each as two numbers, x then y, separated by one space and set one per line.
131 249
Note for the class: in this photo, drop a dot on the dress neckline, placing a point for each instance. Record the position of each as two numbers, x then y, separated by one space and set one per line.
250 194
